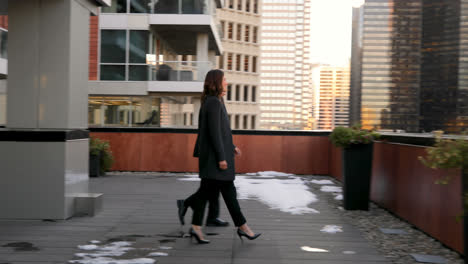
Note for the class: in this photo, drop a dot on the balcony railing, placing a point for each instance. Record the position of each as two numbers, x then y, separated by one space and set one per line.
186 71
162 7
182 7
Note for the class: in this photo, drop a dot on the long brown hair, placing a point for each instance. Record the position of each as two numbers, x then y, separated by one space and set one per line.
213 84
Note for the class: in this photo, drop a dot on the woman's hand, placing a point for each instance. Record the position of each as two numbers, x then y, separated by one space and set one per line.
237 151
223 165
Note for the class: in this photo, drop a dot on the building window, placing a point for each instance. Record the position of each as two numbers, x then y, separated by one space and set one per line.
255 8
112 50
230 30
246 118
138 73
236 122
246 93
238 62
221 62
254 33
3 44
254 93
229 92
231 4
139 46
239 5
114 65
184 60
139 6
239 32
247 5
254 64
246 63
229 62
247 33
252 125
117 6
238 88
223 23
112 72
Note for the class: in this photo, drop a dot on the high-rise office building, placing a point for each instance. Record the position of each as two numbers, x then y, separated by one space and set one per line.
240 21
285 94
331 96
409 67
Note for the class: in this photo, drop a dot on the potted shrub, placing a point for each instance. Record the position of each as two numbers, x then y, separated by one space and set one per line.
451 154
100 157
356 145
94 157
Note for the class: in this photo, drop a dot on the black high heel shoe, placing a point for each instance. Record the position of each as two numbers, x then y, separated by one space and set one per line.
241 233
199 240
182 210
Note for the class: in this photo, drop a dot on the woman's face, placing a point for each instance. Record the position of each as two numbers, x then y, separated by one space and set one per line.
225 84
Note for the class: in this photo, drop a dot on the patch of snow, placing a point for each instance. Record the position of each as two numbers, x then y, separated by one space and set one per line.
94 241
339 197
165 248
191 175
310 249
349 252
189 179
158 254
101 254
329 188
332 229
88 247
103 260
288 195
322 182
274 173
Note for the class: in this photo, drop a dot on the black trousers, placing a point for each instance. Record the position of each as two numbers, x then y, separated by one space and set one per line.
213 207
209 190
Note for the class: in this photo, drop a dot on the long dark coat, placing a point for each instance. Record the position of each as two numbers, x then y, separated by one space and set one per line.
214 141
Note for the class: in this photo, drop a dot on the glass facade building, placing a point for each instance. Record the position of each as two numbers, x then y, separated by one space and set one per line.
408 65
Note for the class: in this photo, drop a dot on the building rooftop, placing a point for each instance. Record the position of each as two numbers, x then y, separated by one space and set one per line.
138 224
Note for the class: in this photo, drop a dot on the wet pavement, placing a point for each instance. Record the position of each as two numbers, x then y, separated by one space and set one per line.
139 224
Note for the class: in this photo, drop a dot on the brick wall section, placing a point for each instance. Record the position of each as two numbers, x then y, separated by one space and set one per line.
4 22
93 47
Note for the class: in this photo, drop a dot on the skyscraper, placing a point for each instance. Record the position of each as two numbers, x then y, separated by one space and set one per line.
240 21
286 97
412 72
331 96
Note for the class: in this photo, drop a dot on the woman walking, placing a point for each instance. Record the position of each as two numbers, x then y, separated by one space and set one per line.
215 150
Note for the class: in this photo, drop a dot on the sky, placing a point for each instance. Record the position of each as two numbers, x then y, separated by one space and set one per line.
331 31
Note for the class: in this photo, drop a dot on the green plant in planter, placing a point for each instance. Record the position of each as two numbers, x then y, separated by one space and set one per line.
347 136
451 154
356 164
102 148
447 154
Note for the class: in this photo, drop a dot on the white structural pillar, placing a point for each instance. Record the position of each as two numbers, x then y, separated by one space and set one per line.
44 148
202 55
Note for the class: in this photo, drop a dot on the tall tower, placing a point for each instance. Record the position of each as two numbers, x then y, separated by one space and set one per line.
331 93
413 69
240 22
286 96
